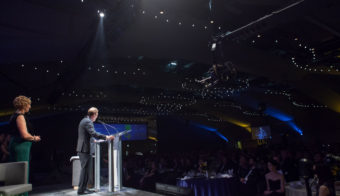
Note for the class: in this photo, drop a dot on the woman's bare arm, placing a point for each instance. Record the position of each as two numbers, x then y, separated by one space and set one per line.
21 124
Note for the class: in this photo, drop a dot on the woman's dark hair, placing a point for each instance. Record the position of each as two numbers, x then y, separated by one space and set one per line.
274 163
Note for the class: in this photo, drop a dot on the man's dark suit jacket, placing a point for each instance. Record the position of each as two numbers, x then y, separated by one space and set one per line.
85 132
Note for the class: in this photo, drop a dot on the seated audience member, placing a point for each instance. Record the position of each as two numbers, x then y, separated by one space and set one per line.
243 173
2 138
274 180
188 166
288 166
318 158
278 160
250 181
147 182
4 149
243 168
225 165
325 186
202 166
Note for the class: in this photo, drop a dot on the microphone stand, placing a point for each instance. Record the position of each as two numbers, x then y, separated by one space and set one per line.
104 124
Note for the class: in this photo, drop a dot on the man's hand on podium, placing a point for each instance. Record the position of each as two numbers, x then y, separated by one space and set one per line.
110 137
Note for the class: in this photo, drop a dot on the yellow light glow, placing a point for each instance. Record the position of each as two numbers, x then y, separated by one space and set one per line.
153 138
239 123
328 97
239 145
8 112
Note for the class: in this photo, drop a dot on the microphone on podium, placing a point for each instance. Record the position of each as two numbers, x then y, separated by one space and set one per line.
117 134
101 122
105 124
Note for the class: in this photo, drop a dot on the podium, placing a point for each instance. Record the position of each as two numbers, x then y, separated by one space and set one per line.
115 162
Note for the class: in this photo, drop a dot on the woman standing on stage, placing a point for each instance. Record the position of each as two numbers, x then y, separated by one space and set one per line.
21 140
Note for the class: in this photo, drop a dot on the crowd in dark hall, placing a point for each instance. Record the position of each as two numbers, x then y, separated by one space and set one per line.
171 97
265 170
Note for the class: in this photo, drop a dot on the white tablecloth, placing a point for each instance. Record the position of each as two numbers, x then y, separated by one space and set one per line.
300 191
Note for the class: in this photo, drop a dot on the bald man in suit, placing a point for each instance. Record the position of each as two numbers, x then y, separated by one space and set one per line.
85 132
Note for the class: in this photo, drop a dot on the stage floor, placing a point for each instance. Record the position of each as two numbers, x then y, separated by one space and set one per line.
50 191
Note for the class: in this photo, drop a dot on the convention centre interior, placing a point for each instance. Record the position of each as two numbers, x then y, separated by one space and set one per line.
170 97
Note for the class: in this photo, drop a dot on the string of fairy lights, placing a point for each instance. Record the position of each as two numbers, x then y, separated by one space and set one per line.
52 70
141 111
121 119
227 104
128 111
84 94
168 103
314 65
218 120
164 108
162 16
95 68
215 92
209 117
249 113
114 119
112 69
291 99
234 105
124 110
45 71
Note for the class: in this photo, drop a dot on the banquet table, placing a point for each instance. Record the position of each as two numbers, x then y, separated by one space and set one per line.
210 186
292 190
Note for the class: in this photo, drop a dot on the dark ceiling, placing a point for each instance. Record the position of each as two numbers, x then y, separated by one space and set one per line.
144 58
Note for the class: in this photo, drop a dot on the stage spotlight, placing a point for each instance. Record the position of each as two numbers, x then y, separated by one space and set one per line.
213 47
101 14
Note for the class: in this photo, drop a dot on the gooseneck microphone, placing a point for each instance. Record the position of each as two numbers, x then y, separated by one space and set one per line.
104 124
101 122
